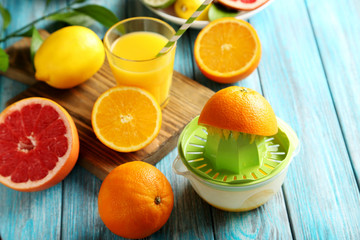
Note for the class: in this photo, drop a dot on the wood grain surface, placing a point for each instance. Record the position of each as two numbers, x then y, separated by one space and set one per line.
309 72
300 94
187 98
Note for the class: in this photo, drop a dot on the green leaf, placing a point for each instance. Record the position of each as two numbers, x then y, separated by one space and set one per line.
27 33
4 60
47 3
5 16
36 42
77 1
72 18
100 14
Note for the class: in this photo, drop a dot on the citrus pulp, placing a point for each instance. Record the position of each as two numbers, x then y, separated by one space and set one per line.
126 119
245 5
39 144
227 50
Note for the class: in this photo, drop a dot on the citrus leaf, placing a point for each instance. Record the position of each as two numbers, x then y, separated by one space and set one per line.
27 33
77 1
4 60
99 13
72 18
36 42
5 16
47 3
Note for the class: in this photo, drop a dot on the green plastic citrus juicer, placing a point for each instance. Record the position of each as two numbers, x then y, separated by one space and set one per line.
231 158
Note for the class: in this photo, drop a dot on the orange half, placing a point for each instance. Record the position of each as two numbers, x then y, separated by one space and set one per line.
227 50
240 109
126 119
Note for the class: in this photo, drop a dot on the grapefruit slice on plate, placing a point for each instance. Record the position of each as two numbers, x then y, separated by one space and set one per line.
39 144
245 5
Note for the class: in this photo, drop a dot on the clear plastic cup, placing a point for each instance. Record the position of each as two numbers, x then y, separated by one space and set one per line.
137 37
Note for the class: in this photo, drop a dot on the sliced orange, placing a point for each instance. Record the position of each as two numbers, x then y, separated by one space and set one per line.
227 50
126 119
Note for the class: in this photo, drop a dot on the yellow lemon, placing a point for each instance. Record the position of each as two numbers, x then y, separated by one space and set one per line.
185 8
68 57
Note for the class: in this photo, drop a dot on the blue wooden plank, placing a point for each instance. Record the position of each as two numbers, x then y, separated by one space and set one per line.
257 223
80 213
183 223
30 215
320 198
338 36
269 221
191 216
320 191
80 217
22 14
27 215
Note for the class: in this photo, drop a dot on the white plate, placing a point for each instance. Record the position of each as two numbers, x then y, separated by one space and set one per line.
169 14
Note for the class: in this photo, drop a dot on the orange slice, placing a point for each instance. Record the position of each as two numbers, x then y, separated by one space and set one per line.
227 50
126 119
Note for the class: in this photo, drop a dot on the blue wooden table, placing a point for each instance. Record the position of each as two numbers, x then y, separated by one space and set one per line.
309 72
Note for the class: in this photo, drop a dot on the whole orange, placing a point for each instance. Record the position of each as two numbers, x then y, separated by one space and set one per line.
240 109
135 200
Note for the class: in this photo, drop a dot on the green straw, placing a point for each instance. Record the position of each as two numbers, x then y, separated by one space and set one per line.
184 27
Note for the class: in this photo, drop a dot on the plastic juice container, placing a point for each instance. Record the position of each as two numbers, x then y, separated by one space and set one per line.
137 64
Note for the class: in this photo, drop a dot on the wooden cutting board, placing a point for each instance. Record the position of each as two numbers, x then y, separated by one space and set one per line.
187 98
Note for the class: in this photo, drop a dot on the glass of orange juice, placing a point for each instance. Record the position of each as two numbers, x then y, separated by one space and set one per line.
132 46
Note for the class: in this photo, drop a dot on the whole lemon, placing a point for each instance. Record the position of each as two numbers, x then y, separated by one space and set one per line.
68 57
185 8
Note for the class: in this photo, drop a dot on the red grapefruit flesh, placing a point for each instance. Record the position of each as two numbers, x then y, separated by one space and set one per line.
245 5
39 144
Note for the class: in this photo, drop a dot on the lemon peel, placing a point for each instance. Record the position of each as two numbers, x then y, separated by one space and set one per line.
69 57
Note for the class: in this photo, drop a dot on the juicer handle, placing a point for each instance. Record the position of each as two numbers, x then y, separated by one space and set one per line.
179 168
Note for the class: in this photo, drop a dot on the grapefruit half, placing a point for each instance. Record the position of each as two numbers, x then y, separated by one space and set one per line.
245 5
39 144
